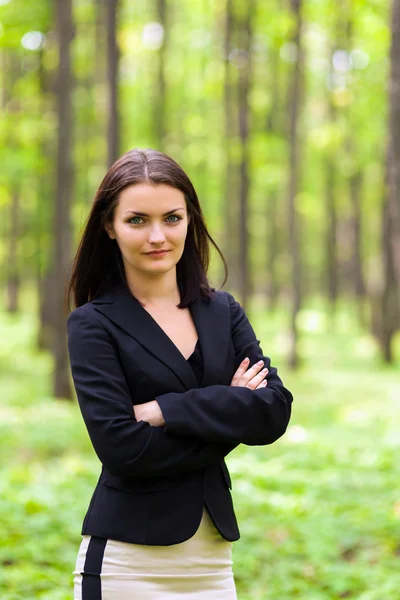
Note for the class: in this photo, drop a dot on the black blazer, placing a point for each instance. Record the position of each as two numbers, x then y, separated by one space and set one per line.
154 481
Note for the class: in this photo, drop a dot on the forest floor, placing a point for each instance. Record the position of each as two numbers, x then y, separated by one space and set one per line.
319 510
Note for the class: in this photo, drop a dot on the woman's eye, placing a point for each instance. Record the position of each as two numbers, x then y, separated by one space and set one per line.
169 217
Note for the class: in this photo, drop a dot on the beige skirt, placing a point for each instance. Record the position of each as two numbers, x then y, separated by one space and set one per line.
198 569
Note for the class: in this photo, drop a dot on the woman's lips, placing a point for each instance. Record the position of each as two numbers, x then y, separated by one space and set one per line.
154 254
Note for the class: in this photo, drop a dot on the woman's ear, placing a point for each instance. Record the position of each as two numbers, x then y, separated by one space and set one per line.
110 232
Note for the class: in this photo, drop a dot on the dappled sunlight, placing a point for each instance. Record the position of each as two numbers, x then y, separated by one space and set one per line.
365 347
311 321
296 434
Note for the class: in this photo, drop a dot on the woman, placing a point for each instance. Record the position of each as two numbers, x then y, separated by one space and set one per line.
170 378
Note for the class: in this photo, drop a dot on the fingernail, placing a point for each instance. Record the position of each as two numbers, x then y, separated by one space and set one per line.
246 359
260 362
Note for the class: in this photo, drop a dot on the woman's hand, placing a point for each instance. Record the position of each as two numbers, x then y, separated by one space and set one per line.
253 378
149 412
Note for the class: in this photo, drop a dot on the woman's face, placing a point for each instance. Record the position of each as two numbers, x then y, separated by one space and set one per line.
162 225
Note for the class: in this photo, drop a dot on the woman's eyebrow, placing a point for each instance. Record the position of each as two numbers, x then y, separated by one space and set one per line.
142 214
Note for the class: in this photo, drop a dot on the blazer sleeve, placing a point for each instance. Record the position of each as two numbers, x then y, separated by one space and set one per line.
124 446
228 413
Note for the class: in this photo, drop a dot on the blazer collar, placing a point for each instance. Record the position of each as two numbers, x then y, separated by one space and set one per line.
212 321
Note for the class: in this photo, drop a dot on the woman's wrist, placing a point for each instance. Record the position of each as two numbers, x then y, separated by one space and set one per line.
150 412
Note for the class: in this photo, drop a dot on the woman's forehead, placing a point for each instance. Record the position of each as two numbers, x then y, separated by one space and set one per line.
152 199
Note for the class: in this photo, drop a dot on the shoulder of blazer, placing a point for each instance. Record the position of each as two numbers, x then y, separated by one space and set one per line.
84 309
213 320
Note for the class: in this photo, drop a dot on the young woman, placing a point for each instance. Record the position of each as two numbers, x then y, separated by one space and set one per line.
170 378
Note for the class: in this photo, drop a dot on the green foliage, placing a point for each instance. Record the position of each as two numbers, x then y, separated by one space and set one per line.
319 510
194 114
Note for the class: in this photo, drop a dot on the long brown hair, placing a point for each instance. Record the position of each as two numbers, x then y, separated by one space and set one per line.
98 263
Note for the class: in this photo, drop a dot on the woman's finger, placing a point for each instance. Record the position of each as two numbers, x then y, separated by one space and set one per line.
250 373
240 371
257 379
243 377
261 385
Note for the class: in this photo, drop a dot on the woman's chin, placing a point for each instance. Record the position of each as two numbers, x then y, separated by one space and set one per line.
159 268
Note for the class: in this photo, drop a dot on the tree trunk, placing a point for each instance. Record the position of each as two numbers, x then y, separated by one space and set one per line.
231 208
46 180
112 80
244 118
64 192
294 155
11 103
275 127
388 323
355 189
160 84
394 138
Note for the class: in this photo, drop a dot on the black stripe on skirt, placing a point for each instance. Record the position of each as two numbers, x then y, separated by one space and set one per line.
91 582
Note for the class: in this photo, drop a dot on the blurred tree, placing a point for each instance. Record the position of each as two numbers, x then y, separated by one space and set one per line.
394 137
295 96
354 174
244 59
64 191
159 102
389 314
45 183
12 104
275 129
230 250
113 55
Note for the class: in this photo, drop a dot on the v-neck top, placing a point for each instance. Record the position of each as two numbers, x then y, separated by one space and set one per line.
195 360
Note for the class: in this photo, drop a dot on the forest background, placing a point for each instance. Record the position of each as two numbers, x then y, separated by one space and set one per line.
286 116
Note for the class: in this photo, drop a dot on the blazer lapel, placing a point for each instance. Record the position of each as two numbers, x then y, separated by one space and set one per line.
212 321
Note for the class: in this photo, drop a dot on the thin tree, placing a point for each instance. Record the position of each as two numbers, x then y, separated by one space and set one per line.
385 304
160 84
394 137
355 182
230 194
386 323
246 31
44 212
12 104
113 55
274 127
294 167
64 191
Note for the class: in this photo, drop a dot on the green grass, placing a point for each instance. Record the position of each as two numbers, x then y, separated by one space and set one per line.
319 510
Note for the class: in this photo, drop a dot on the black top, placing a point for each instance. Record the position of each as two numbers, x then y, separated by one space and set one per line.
195 360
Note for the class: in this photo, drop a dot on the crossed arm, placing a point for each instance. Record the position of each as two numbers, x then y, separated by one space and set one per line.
201 425
124 446
221 413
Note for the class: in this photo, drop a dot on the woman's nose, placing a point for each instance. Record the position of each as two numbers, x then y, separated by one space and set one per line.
156 235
